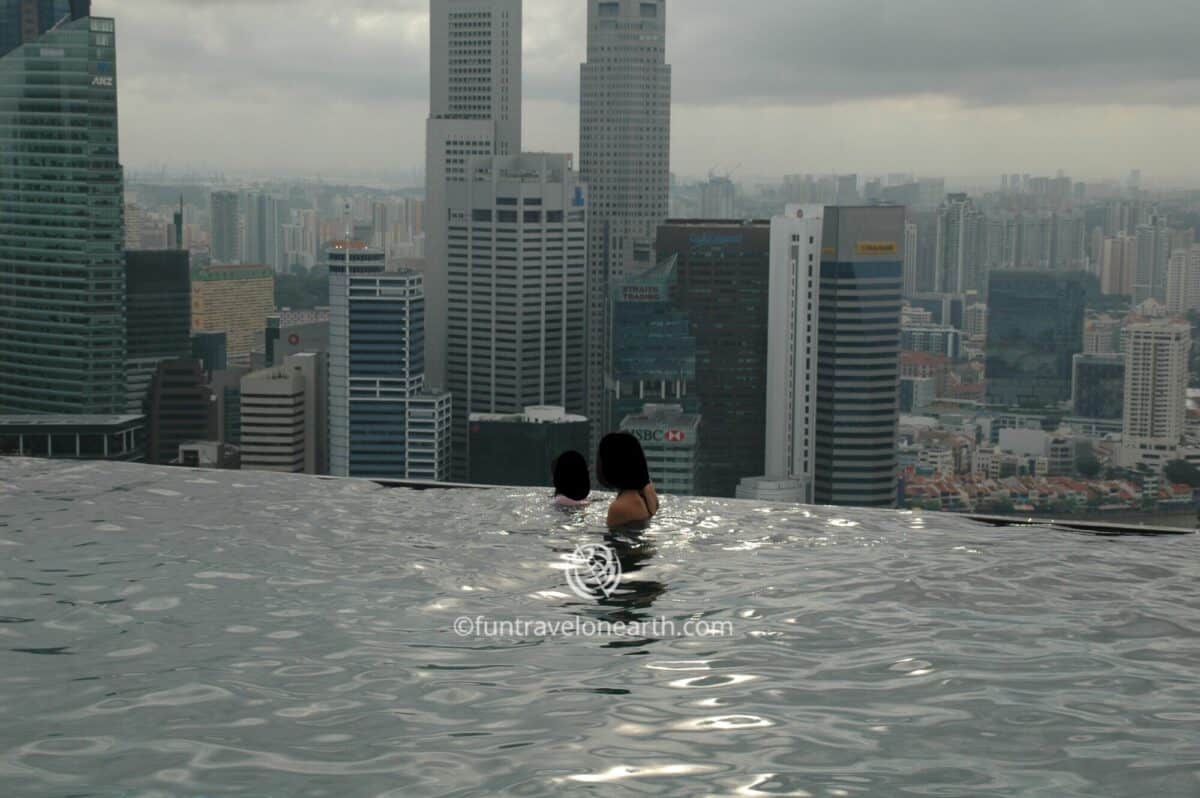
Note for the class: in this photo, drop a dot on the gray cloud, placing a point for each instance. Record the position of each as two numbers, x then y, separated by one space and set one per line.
348 79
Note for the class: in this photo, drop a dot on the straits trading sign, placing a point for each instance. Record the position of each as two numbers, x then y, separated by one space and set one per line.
641 293
878 248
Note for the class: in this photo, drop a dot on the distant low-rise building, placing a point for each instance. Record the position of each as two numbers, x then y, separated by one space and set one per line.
74 437
520 448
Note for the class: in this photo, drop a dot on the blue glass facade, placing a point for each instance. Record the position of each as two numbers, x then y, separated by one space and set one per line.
1035 329
654 351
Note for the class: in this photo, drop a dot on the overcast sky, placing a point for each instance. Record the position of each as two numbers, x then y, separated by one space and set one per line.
966 88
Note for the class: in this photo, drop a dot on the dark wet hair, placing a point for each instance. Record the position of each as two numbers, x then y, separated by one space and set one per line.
571 478
621 463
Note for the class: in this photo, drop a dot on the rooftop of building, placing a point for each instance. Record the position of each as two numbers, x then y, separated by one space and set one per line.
210 632
658 415
69 420
540 414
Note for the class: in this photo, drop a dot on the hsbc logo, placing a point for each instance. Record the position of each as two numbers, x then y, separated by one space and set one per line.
660 435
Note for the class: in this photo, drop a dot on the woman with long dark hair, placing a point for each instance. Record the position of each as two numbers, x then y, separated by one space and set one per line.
621 466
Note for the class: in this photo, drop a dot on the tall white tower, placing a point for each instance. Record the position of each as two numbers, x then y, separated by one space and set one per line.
474 110
1156 380
625 160
794 304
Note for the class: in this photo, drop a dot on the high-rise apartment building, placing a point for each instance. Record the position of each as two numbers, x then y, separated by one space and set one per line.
911 261
62 265
718 198
1035 329
624 158
1156 381
235 299
383 423
226 243
284 419
1153 254
722 287
1183 281
474 110
1118 265
158 317
262 239
517 268
961 244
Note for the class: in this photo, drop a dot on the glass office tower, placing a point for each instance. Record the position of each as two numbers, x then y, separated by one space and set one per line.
1035 330
62 269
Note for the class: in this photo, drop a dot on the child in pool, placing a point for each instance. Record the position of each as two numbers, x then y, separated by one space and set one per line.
572 482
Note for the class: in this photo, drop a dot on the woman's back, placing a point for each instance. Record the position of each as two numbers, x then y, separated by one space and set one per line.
621 466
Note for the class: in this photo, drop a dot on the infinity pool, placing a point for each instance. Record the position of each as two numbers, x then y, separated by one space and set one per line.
166 632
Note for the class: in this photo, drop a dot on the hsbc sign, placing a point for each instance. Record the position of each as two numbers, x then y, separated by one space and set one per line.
660 435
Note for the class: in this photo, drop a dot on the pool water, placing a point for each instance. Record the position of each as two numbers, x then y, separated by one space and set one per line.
167 632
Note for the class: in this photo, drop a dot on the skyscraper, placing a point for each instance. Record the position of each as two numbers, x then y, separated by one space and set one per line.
474 110
1035 329
1156 381
226 236
517 270
721 286
62 330
1183 281
792 357
262 240
382 421
23 21
911 277
717 198
624 158
1153 253
235 299
158 317
858 372
654 352
833 373
961 237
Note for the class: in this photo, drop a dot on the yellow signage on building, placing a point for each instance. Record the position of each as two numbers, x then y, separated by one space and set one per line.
878 248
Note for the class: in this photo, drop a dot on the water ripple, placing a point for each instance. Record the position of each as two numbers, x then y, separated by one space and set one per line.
169 636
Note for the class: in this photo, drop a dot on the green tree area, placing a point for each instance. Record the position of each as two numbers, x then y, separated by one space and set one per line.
1181 472
1088 466
302 289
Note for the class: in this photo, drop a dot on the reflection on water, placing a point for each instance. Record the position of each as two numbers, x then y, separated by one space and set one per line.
170 633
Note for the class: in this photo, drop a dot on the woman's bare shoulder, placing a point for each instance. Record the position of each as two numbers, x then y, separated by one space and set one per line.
626 509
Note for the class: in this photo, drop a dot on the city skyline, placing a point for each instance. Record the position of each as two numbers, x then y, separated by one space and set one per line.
1075 91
